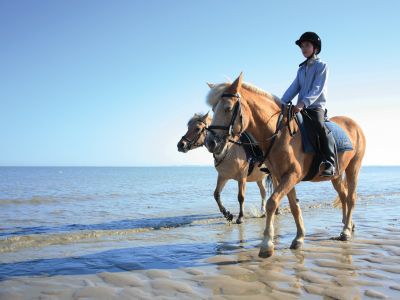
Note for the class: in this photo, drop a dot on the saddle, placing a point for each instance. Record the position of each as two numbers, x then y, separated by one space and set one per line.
254 154
311 143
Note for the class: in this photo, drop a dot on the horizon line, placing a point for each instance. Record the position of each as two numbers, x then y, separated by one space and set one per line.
140 166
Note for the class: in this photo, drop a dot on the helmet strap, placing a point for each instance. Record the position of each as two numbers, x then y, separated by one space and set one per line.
314 54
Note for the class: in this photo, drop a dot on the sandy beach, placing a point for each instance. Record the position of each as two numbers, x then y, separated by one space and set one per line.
366 267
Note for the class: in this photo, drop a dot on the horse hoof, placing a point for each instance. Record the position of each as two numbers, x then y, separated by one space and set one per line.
239 220
262 215
265 253
296 245
277 211
229 217
353 228
344 237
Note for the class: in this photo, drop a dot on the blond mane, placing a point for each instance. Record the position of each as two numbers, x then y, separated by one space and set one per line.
214 95
197 117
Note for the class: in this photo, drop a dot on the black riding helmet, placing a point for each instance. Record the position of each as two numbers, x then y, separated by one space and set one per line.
311 37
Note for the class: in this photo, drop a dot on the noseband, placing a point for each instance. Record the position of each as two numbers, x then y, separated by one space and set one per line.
236 110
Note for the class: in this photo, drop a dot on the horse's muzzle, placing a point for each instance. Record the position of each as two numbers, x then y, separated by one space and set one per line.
182 146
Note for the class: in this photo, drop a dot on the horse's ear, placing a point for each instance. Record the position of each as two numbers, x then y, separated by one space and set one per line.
210 85
235 86
206 116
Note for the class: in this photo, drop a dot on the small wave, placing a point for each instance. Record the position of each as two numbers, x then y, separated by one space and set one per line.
40 200
14 243
35 200
378 195
151 223
41 237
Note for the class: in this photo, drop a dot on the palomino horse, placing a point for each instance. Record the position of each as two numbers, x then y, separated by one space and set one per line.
241 107
231 164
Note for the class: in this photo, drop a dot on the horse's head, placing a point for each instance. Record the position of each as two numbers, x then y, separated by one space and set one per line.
227 123
196 133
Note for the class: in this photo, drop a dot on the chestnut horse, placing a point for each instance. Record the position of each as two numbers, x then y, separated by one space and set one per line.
231 164
242 107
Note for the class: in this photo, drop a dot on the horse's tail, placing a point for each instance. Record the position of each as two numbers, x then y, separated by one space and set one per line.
269 185
337 203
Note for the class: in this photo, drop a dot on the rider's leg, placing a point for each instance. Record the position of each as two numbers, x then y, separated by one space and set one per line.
326 141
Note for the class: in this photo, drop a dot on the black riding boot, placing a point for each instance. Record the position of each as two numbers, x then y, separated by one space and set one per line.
326 140
328 149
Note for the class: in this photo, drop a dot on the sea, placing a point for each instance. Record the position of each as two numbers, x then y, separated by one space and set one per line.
86 220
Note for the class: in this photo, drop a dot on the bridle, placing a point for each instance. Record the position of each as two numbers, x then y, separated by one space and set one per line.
236 112
194 142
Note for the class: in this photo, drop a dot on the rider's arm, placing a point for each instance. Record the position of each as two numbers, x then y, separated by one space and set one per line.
292 91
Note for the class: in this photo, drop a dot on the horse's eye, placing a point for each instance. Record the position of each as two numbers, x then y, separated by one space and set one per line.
228 109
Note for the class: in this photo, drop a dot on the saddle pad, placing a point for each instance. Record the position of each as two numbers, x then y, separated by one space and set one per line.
342 141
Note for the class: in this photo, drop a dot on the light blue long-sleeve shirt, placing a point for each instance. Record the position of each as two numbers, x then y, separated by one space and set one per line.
311 85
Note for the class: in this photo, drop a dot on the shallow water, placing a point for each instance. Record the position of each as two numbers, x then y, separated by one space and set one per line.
87 221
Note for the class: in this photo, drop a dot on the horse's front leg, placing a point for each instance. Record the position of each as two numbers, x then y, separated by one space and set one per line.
241 192
286 183
217 196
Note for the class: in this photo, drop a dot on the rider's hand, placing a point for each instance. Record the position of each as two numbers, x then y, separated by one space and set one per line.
298 107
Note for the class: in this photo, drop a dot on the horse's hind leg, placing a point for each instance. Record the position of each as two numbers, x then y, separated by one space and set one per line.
296 212
352 172
241 192
217 196
340 186
263 192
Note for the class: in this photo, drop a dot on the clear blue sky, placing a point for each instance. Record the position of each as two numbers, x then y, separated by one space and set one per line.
99 83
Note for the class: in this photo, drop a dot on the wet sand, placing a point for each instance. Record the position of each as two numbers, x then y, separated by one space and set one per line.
228 266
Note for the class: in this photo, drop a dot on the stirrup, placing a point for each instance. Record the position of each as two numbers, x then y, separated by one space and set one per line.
324 173
329 170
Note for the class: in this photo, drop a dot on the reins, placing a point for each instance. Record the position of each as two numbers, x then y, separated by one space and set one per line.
290 116
279 125
273 137
266 140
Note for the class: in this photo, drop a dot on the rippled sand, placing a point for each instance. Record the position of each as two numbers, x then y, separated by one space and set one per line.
222 263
